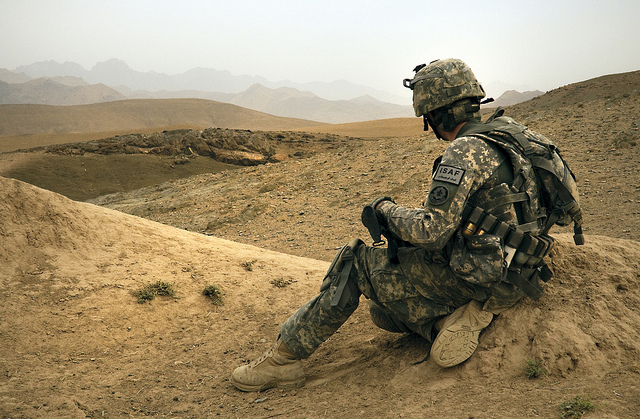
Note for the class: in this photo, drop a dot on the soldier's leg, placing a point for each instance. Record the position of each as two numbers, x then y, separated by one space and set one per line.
306 329
360 269
412 294
318 319
386 320
400 307
417 291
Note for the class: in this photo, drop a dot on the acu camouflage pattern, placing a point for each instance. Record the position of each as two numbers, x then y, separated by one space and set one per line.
544 147
444 270
417 291
442 83
488 178
538 184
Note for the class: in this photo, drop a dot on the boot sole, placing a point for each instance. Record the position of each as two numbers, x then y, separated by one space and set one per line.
457 343
454 347
283 384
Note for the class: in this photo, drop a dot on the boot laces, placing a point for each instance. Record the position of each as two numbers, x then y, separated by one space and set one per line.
263 356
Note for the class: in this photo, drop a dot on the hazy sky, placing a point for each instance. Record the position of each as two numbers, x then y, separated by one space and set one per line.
528 44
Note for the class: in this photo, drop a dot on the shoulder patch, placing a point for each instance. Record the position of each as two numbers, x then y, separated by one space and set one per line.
438 195
448 174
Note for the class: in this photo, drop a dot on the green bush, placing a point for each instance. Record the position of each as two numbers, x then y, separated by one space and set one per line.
215 293
149 291
534 369
576 407
249 265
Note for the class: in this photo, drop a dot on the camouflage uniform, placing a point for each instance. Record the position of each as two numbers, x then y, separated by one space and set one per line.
435 275
474 249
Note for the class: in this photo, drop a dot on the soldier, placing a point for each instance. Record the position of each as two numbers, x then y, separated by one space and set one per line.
473 250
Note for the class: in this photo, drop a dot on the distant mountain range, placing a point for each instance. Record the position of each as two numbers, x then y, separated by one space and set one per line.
49 92
52 83
115 73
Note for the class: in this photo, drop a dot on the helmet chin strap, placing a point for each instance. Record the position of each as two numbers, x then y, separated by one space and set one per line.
449 117
427 124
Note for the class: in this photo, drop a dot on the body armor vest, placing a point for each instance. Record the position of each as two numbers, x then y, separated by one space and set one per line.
543 188
518 207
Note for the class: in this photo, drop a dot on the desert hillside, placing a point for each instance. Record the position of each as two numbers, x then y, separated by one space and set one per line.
76 342
26 126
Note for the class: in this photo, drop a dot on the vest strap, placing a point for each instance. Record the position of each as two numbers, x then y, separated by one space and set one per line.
527 281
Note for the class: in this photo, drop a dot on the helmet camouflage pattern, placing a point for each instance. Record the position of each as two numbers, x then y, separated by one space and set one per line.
442 83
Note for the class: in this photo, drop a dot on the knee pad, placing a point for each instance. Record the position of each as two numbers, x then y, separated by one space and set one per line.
338 275
386 321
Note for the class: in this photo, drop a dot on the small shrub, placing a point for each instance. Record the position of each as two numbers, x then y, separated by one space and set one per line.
576 407
249 265
281 282
215 293
149 291
534 369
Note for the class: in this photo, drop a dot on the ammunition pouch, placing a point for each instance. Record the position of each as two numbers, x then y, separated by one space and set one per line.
523 264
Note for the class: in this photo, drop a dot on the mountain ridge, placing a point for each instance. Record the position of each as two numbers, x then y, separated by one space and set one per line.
282 101
335 102
114 72
47 91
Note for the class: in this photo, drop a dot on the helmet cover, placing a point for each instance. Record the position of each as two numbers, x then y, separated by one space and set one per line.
442 83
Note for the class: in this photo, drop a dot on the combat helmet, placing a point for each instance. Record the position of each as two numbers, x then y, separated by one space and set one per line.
447 87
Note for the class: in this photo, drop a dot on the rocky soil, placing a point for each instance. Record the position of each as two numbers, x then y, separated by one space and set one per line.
238 147
76 343
310 207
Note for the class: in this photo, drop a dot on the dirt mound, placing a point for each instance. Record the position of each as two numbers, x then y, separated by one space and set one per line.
238 147
84 170
134 114
73 334
76 343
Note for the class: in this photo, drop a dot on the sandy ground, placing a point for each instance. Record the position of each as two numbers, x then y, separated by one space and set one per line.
74 341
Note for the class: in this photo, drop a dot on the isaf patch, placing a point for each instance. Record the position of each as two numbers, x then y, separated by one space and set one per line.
438 195
448 174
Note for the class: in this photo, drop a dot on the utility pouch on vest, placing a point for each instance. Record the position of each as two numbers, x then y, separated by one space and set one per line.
524 253
478 258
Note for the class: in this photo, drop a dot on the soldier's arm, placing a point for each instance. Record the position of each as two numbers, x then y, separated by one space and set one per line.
466 164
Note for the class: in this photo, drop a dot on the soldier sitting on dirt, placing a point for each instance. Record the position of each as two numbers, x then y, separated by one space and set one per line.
473 250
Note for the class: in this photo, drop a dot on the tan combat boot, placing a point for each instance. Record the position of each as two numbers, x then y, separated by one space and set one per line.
278 367
458 336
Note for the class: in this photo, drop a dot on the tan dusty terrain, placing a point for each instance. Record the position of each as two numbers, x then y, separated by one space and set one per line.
311 206
26 126
75 343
